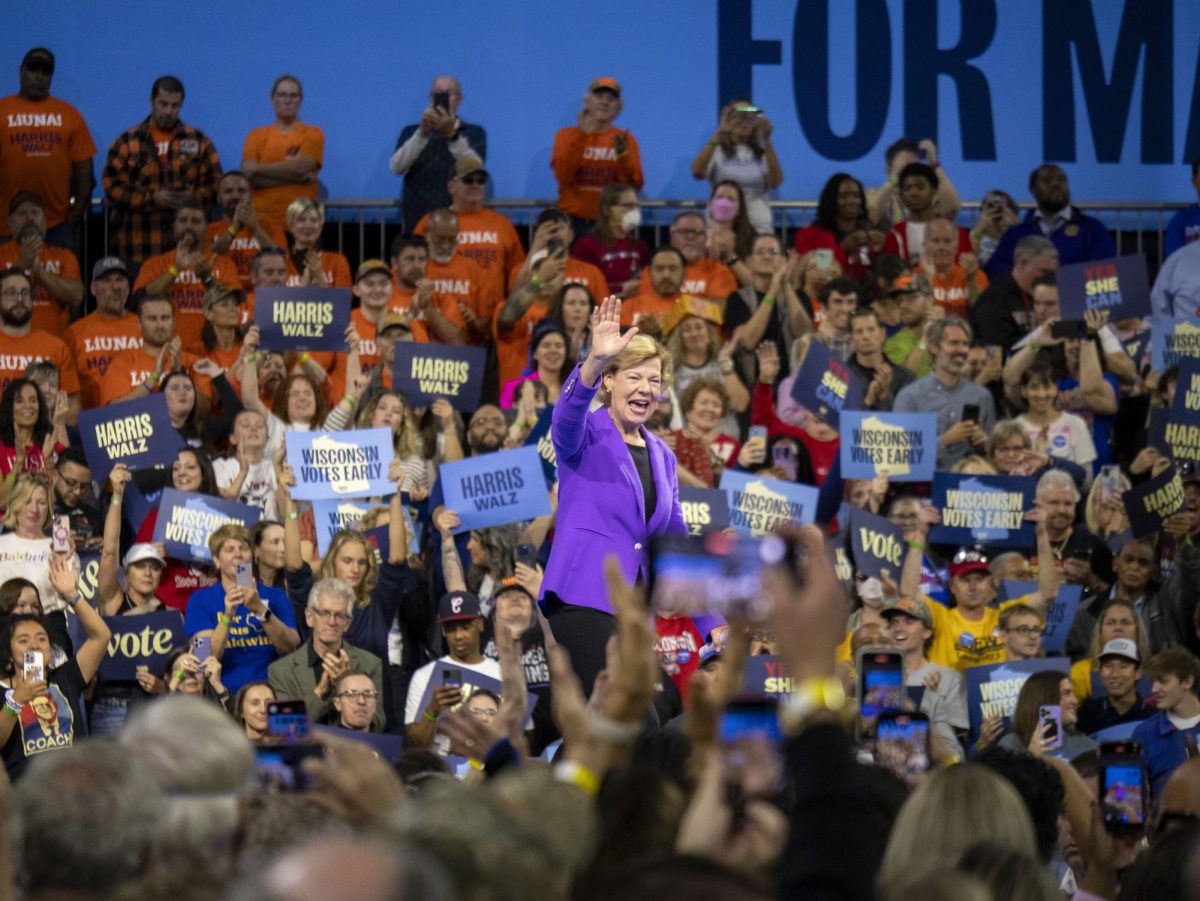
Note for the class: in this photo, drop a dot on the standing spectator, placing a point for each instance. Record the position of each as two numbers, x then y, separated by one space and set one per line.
250 626
54 271
767 309
919 187
238 234
697 352
20 345
705 276
282 159
1004 313
1177 285
730 234
461 300
1184 227
1079 238
152 170
548 361
886 205
426 153
947 392
740 150
1170 736
838 298
909 347
96 338
184 274
248 475
373 288
997 214
572 308
842 227
953 273
25 547
612 245
883 379
517 319
485 236
307 263
591 154
46 148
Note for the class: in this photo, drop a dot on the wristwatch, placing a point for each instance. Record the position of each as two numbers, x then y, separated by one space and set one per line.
266 617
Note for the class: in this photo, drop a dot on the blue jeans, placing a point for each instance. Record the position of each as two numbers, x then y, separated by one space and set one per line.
108 718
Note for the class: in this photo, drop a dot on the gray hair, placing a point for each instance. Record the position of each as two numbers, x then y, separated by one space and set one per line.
335 588
204 764
84 819
1031 247
997 565
938 327
1056 478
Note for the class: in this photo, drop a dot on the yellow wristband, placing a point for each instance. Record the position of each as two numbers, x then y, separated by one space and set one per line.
475 764
232 230
304 358
578 775
174 270
224 620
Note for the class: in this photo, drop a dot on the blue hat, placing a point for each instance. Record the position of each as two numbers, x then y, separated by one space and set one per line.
458 605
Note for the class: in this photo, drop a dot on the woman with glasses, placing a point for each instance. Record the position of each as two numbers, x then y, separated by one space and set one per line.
281 160
1011 451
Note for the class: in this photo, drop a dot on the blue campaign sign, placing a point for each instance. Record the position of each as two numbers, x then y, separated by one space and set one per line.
1178 437
495 489
704 509
137 433
901 446
385 744
302 318
877 544
139 644
1120 287
186 520
992 689
340 464
983 510
757 505
1059 618
426 372
330 517
1152 501
825 386
539 437
1174 339
767 675
1119 732
1012 589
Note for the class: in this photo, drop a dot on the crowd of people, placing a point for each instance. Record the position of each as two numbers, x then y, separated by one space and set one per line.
496 712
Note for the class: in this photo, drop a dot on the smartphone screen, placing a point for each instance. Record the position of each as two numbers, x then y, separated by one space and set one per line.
34 668
1050 719
714 573
202 647
277 767
287 719
1068 330
452 677
902 744
880 686
441 99
1123 800
749 739
970 413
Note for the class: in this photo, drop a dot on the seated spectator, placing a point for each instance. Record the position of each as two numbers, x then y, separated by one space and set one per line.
269 269
1046 689
282 159
1169 737
53 271
997 214
356 703
552 230
918 185
250 708
952 272
944 698
238 234
96 339
44 714
461 621
308 264
703 447
908 346
250 626
1050 431
612 245
329 613
697 352
20 343
591 155
1078 237
740 150
548 362
1120 669
221 335
185 273
248 475
886 205
1184 227
1021 627
841 226
883 381
1006 312
135 371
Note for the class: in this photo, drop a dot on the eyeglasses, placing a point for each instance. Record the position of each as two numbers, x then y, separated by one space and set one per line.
762 636
489 421
73 484
766 252
369 695
1027 631
22 293
475 180
331 616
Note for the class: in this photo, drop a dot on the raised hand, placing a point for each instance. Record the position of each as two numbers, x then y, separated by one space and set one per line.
768 362
607 340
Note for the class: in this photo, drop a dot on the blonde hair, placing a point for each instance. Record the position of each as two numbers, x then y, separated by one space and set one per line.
941 819
1095 646
675 341
326 570
983 464
639 350
19 498
231 531
299 207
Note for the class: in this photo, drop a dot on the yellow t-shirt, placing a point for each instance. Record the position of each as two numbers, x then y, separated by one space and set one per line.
959 642
1081 678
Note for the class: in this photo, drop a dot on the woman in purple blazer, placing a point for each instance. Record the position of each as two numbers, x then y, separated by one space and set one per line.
616 484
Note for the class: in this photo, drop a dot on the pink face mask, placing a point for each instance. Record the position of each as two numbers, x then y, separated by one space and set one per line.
722 209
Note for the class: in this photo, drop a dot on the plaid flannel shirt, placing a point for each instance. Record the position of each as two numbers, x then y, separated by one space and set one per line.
133 172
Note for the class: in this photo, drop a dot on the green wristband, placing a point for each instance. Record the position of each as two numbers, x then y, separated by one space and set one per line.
430 717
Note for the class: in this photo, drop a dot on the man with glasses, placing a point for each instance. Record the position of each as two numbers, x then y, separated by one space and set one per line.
705 276
355 703
20 345
485 236
73 498
767 309
427 152
1021 631
311 671
46 148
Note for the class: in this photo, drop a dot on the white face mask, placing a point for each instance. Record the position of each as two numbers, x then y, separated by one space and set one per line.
870 590
631 220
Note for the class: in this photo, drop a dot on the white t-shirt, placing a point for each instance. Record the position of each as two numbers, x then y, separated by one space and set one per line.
1182 724
258 490
1067 438
750 172
413 709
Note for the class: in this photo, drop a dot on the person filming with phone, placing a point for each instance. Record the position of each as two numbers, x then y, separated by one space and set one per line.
250 624
41 705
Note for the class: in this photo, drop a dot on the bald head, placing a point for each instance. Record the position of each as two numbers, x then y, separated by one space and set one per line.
366 871
441 231
1181 794
941 243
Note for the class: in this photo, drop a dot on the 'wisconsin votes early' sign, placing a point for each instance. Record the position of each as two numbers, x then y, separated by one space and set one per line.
901 446
340 464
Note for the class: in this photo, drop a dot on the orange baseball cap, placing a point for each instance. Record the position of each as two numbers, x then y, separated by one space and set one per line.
605 84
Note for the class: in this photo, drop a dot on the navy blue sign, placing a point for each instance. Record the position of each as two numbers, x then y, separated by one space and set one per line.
139 644
704 509
825 386
983 510
539 437
877 544
1119 287
1149 503
137 433
426 372
302 318
992 689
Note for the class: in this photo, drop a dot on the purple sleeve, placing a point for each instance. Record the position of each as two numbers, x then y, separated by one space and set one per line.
568 423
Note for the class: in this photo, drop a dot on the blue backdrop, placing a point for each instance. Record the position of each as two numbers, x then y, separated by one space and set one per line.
1001 85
